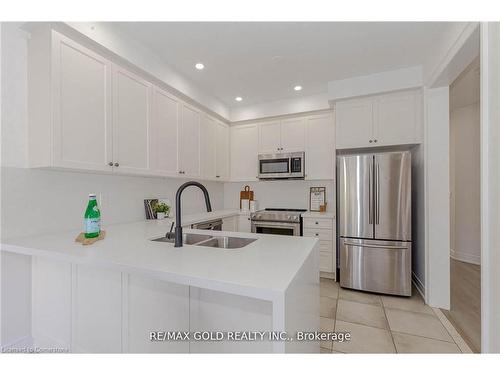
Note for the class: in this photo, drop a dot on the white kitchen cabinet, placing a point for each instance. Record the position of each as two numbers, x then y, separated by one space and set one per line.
189 142
282 136
270 137
381 120
208 143
131 121
320 147
293 135
397 118
222 152
230 224
354 123
97 302
69 99
153 305
163 135
319 226
244 152
244 223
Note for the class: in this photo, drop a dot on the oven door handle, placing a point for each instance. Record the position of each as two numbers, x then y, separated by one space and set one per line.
274 224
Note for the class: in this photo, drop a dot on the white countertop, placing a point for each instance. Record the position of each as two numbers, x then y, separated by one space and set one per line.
314 214
262 269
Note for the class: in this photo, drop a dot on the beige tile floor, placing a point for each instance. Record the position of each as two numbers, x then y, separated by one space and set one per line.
381 324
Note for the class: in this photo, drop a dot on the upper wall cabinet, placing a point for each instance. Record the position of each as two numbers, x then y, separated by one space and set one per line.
320 147
281 136
244 152
208 132
164 131
189 142
131 121
69 105
222 152
383 120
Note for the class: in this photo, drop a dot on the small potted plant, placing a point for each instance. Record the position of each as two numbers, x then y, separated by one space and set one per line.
161 210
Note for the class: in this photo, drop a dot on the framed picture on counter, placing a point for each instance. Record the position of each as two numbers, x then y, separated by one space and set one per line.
317 198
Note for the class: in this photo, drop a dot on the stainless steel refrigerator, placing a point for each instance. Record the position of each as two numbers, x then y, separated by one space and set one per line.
374 222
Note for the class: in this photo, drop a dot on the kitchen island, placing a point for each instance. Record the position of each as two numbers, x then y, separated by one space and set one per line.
123 293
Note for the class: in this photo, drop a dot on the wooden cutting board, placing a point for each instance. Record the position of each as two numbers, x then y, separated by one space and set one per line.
246 193
89 241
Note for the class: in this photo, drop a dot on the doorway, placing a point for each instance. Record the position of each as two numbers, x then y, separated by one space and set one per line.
465 206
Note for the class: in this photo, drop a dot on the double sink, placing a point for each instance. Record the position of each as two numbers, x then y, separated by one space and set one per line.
221 242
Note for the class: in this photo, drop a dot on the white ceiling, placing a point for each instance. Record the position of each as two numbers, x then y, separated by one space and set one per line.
262 62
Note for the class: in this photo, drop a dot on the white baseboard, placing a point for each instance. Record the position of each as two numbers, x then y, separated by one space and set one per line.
465 257
419 285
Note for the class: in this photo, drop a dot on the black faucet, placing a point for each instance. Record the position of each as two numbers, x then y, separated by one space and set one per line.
178 225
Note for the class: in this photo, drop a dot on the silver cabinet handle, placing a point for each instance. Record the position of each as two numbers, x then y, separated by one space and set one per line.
117 164
375 246
378 195
110 163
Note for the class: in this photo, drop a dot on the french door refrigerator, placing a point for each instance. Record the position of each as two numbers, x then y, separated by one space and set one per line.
374 222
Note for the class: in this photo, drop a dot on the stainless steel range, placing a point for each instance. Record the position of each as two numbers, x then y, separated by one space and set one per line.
283 221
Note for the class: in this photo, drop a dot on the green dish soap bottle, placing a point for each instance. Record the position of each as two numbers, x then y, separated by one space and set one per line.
92 218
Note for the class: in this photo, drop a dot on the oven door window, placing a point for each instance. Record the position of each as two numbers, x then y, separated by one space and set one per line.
281 231
275 166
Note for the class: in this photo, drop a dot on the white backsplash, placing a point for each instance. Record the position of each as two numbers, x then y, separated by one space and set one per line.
44 201
279 194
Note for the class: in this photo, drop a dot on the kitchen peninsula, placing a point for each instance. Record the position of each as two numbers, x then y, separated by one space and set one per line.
110 296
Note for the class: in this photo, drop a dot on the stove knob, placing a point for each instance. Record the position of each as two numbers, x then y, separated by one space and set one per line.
295 218
288 217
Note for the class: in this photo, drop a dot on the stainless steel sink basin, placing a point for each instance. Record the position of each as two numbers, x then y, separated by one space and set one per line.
187 238
227 242
221 242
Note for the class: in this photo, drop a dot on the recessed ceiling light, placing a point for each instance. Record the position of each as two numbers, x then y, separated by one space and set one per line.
199 66
238 98
297 88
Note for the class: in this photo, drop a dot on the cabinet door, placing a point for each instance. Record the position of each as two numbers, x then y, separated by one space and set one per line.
131 122
396 119
244 223
163 136
208 143
244 153
354 123
222 152
269 137
82 107
189 142
97 310
154 305
320 147
293 135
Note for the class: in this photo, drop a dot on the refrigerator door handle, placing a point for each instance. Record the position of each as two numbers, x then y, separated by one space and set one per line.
377 195
375 246
370 196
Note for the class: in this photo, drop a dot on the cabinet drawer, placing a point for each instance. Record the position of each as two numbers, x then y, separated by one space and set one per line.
326 261
318 223
322 234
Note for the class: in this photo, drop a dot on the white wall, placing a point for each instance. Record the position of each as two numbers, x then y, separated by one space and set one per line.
418 217
278 194
437 192
300 104
465 184
490 186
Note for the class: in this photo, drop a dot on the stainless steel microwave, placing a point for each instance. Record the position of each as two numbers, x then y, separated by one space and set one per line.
285 165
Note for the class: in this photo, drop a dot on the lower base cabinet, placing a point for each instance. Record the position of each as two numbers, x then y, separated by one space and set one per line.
237 223
92 309
324 230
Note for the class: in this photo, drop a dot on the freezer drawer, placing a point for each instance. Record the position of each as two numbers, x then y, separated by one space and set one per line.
376 266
